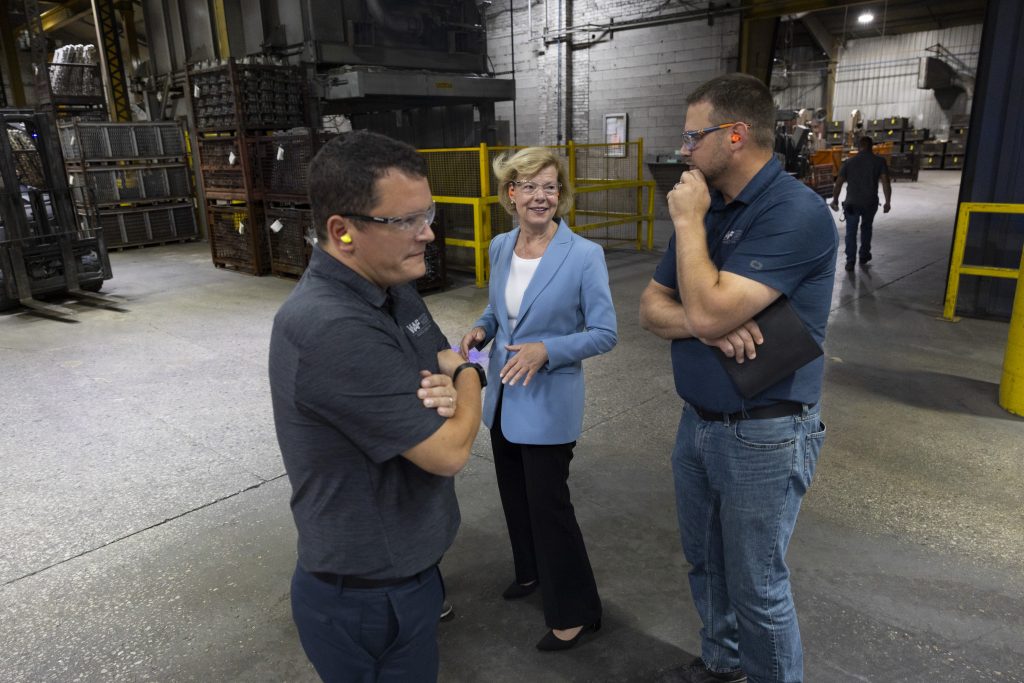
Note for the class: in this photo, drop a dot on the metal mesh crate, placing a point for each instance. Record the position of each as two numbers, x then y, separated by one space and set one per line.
436 276
75 80
234 95
821 179
148 142
289 231
284 163
127 184
104 142
226 173
237 237
138 226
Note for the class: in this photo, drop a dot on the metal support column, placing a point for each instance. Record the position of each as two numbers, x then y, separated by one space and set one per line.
111 62
757 47
131 36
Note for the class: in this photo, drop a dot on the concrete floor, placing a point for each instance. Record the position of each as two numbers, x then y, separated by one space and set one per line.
147 537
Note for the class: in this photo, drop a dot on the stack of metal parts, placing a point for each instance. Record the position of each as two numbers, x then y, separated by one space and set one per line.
956 146
904 140
71 85
45 247
284 158
284 168
136 178
236 105
835 133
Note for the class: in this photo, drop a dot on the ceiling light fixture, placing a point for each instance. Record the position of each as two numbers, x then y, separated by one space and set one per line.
865 18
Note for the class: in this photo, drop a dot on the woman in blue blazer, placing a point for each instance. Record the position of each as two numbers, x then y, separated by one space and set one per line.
549 307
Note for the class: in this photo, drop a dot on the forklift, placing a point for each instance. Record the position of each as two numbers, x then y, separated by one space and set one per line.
47 247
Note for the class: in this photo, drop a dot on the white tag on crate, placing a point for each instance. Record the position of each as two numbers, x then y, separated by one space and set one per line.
241 227
71 180
232 158
195 91
280 153
71 143
277 225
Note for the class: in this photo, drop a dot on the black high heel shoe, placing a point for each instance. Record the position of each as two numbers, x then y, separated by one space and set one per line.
552 643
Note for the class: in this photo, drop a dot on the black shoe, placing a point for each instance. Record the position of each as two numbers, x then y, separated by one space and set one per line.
447 611
552 643
864 260
519 590
849 266
698 672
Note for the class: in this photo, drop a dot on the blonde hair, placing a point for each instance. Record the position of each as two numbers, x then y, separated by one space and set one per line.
527 163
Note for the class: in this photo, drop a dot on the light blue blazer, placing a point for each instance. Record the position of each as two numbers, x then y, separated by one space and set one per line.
568 306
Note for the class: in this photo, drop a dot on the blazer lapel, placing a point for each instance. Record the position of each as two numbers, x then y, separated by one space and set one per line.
499 276
552 260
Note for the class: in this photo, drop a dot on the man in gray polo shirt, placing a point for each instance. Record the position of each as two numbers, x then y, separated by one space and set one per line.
374 414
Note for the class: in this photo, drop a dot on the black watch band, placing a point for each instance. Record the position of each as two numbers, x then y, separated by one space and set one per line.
479 372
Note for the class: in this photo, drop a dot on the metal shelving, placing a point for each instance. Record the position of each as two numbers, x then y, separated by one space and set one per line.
236 104
137 179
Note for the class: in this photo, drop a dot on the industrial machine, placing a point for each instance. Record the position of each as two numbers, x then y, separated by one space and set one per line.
45 247
791 138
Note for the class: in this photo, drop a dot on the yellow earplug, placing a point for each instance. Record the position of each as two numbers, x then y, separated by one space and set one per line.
346 239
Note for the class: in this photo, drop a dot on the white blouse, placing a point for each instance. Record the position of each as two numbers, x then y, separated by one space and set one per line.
518 280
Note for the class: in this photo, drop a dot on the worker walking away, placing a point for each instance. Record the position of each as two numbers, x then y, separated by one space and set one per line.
861 174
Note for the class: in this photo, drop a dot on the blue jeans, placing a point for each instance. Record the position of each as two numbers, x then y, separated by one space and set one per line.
738 491
365 635
865 219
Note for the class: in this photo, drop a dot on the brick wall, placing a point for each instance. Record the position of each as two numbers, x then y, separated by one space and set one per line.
646 72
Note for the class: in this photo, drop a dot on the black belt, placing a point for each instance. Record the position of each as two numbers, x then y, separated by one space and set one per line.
359 582
781 409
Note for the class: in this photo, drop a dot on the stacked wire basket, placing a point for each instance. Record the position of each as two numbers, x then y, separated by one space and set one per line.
136 177
71 86
283 171
237 105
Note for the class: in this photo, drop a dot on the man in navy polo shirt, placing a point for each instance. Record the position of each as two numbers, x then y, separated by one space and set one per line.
745 234
374 415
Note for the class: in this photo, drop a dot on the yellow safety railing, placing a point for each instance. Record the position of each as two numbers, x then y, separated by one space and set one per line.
1011 385
957 267
610 193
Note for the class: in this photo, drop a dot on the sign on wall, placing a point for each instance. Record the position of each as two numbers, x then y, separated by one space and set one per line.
616 134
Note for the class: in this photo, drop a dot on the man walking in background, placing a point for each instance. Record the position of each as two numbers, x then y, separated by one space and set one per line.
861 174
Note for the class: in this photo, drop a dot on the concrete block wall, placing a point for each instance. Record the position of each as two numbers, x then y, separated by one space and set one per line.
645 72
799 78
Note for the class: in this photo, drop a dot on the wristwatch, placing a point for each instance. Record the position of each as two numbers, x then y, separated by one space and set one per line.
475 366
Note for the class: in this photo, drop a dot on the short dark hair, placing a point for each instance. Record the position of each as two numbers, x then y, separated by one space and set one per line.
740 97
865 143
343 175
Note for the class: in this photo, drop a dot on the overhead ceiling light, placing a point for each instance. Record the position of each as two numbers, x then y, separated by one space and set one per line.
865 18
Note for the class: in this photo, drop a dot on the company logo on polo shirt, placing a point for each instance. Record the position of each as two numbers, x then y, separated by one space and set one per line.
729 237
418 326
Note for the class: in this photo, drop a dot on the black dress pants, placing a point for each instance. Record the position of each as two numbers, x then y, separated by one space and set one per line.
547 544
